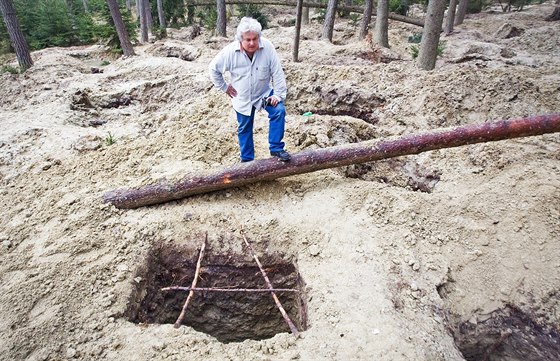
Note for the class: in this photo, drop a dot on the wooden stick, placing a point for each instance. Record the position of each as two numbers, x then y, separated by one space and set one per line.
291 325
191 292
213 289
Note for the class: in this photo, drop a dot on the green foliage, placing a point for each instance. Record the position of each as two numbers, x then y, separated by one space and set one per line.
47 23
476 6
354 19
8 69
110 139
415 49
208 17
254 11
440 47
105 62
399 6
415 38
174 12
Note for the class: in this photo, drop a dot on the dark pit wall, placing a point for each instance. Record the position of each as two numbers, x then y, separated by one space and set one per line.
228 316
508 335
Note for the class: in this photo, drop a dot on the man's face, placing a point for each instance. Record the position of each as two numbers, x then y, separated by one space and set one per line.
250 42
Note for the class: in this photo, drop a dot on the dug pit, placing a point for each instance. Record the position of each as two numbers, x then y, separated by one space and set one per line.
227 316
508 334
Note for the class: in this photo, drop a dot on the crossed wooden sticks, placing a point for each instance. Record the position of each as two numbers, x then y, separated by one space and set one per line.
270 288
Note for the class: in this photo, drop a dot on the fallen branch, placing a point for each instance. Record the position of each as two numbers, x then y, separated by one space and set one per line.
291 325
195 280
314 160
213 289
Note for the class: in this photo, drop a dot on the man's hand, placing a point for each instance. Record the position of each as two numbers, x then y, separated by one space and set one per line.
274 100
230 91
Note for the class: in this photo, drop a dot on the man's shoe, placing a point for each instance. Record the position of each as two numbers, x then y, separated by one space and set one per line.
282 155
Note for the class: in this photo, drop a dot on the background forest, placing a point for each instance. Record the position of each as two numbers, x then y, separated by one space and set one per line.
48 23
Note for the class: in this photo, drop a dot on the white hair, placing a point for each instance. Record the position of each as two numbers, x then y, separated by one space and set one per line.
248 24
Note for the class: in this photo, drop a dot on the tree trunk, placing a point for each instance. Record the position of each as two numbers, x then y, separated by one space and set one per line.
328 24
381 31
16 35
221 22
299 9
313 160
86 6
450 20
161 14
143 21
461 12
555 16
430 35
149 18
128 5
305 16
126 45
368 10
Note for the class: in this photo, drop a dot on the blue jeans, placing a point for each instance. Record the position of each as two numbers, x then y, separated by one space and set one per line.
277 118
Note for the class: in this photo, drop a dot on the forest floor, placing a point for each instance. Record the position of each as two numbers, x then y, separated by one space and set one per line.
446 255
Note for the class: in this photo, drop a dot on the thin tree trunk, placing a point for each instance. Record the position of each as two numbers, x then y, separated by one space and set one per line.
143 21
328 24
161 14
299 9
431 33
221 22
305 16
126 45
86 7
314 160
381 31
368 10
16 35
461 12
450 16
148 10
128 5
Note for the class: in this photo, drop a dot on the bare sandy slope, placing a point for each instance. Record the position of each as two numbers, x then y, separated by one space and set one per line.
391 272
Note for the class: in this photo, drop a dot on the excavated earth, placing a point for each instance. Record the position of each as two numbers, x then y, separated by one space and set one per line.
447 255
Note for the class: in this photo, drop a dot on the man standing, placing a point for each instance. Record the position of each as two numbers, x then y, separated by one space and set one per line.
252 63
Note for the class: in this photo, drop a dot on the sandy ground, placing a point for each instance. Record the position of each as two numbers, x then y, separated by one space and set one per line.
391 272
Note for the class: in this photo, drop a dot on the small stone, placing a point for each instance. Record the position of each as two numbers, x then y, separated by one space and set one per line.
71 352
414 286
137 279
375 331
314 250
122 268
485 242
6 244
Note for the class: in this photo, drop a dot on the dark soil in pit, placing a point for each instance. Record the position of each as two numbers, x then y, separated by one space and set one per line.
228 316
509 334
